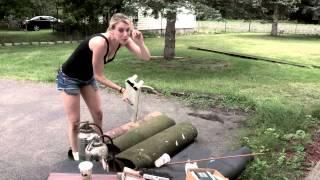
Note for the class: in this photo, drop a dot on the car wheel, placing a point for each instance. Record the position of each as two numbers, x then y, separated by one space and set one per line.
36 28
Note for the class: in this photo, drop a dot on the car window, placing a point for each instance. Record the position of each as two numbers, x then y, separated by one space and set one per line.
52 19
43 18
35 18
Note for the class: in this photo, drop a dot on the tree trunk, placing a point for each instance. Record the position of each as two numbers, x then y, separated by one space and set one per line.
274 30
170 36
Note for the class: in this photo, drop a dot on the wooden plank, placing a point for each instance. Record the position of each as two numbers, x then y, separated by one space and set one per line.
259 58
72 176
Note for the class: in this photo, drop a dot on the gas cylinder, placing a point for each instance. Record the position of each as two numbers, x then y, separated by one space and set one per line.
96 150
85 135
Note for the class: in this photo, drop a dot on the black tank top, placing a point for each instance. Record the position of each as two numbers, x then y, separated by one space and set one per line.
79 64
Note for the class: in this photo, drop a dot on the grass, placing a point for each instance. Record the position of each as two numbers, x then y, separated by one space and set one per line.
257 26
34 36
285 99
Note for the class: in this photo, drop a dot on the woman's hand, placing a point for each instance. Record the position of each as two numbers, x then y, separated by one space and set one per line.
136 45
125 96
137 36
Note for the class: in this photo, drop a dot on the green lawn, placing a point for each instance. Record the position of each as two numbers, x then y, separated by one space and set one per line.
34 36
283 98
289 48
199 71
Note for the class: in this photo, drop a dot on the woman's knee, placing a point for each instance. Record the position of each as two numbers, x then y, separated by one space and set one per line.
74 126
98 116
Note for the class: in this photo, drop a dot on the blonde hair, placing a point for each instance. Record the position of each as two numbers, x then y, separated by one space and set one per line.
117 18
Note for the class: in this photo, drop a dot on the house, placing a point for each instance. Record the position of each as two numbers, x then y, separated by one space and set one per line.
186 22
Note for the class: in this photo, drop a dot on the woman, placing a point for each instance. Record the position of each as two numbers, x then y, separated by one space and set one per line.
78 75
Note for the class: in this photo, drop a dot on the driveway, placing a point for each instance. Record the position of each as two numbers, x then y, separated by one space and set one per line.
33 134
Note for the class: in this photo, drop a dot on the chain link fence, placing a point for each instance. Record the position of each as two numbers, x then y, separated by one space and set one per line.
74 34
258 27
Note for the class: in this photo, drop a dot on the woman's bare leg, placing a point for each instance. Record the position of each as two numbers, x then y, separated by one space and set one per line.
72 109
92 98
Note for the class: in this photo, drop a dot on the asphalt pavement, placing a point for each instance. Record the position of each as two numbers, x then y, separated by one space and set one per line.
33 131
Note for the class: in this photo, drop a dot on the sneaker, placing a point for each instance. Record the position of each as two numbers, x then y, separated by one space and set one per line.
70 155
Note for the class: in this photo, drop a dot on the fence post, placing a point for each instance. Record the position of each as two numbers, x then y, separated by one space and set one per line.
225 26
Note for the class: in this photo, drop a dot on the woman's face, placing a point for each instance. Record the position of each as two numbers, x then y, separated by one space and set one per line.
122 32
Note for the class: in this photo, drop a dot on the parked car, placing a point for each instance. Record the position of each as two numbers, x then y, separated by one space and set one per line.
40 22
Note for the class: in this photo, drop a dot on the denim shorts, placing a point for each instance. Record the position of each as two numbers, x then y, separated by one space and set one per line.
71 85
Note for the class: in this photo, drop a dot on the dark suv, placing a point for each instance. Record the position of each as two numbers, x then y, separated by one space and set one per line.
40 22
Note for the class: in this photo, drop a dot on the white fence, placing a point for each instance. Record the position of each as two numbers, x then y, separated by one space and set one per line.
245 26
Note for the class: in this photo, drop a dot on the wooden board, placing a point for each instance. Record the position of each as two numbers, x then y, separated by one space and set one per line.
72 176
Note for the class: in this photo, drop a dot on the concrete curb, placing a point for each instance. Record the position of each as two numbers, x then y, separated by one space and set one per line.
40 43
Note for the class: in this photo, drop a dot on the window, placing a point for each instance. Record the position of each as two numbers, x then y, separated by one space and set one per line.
43 19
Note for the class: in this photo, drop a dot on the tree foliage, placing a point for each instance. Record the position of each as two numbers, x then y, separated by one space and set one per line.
169 9
19 9
278 9
205 12
309 12
284 7
235 9
91 16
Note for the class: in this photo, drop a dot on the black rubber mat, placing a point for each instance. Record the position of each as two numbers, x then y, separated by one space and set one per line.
174 172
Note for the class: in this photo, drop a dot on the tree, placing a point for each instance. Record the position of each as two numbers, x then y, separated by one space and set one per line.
89 16
169 10
26 8
278 9
205 12
170 34
233 9
311 9
82 12
14 11
14 8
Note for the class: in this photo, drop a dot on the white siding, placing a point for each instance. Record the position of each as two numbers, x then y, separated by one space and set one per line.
150 23
185 20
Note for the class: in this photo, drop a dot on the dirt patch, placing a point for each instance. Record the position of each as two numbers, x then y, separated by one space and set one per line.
313 158
210 117
313 150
